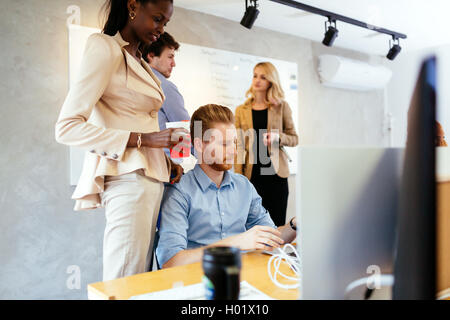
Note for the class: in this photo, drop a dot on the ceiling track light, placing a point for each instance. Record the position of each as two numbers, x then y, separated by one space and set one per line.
251 13
331 32
395 49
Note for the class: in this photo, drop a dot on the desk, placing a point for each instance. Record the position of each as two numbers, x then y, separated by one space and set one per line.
254 268
254 271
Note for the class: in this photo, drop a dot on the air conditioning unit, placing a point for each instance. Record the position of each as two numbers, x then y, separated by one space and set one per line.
343 73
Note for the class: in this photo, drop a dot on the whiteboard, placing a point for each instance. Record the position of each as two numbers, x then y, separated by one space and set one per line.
203 76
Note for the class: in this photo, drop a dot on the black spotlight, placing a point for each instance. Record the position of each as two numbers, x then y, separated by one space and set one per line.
251 13
394 50
330 34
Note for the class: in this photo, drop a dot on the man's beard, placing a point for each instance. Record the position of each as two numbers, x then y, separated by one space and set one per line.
221 166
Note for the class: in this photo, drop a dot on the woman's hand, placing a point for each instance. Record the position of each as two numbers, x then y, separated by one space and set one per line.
167 138
176 171
270 138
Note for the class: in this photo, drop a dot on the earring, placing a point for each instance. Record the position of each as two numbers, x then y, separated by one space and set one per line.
132 15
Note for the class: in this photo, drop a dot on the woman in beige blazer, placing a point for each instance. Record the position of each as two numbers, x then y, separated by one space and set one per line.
264 124
112 112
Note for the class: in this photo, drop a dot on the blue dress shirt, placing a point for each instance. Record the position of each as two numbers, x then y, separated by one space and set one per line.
173 107
195 213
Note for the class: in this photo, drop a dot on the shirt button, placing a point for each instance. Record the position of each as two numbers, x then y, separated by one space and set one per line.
223 213
153 114
92 151
115 156
104 154
223 234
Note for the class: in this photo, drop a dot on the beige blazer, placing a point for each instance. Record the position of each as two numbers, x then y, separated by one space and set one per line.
112 96
279 119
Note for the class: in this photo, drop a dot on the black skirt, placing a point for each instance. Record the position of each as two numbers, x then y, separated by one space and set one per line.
274 192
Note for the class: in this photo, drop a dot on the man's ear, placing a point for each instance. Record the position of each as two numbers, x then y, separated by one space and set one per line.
150 57
198 146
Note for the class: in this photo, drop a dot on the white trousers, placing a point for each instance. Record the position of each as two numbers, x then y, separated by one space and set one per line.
131 204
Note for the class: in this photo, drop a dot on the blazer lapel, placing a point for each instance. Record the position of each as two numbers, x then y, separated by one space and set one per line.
273 120
142 79
152 75
270 115
248 118
275 115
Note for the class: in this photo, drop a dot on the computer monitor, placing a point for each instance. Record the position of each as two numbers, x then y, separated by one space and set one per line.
415 259
346 208
362 210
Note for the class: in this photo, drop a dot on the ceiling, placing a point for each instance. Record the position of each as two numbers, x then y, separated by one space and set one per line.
424 22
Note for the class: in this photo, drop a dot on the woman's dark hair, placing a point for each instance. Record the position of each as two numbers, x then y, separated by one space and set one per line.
117 11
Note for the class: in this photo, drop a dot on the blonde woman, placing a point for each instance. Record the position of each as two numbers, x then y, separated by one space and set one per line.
264 123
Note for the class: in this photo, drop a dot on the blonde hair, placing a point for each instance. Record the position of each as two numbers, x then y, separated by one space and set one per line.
208 115
275 92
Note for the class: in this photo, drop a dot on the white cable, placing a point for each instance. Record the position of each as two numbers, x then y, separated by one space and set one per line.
445 296
293 262
383 280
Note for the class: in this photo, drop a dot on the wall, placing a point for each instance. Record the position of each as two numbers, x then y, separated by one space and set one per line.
341 117
41 236
406 68
324 112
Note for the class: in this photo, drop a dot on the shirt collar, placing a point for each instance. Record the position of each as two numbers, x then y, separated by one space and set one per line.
227 181
205 182
157 73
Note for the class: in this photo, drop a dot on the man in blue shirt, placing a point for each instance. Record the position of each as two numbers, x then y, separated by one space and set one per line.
161 57
211 205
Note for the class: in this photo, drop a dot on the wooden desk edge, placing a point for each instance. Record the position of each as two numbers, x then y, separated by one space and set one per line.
95 294
96 291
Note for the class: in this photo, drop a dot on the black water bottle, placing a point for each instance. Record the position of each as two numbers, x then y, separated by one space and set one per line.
222 268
